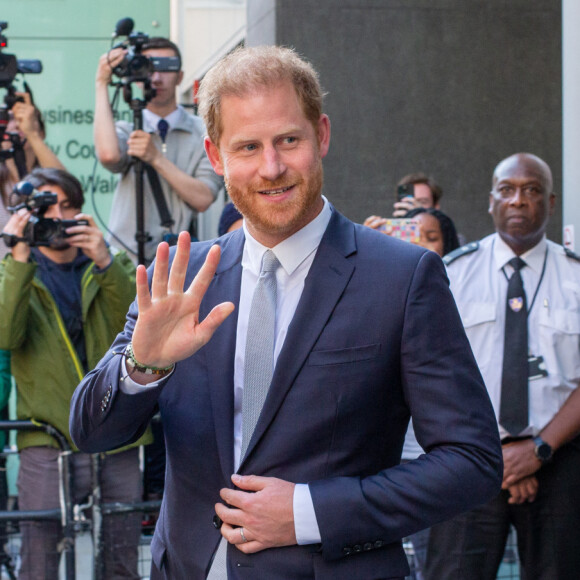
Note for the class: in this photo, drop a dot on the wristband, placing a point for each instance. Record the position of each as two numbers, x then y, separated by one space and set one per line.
135 365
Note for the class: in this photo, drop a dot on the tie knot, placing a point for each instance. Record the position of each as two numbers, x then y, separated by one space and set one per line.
163 127
269 262
517 263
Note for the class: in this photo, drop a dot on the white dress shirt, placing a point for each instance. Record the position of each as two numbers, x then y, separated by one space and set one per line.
152 119
295 255
552 284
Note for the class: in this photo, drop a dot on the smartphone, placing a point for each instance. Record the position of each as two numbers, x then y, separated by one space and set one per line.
407 190
406 229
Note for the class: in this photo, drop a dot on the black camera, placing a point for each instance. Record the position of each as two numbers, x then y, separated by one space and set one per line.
136 67
10 66
39 231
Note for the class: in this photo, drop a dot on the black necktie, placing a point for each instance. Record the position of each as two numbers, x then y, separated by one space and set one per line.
514 383
163 127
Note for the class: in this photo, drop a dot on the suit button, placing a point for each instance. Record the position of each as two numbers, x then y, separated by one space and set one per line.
368 546
217 522
357 548
379 544
347 551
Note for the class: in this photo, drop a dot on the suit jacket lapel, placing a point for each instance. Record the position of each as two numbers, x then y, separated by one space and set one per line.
221 349
328 277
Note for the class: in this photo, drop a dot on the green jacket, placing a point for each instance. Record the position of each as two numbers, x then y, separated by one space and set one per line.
5 385
45 364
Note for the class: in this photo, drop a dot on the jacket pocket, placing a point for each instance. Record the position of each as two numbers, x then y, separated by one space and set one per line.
344 355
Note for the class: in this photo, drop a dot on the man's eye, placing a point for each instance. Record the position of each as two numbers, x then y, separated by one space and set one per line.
250 147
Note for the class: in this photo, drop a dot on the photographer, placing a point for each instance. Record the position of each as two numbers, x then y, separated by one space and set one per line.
171 142
27 126
60 306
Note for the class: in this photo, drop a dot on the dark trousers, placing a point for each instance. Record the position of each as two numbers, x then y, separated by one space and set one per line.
38 489
471 545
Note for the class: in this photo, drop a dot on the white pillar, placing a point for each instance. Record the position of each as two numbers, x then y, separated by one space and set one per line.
571 116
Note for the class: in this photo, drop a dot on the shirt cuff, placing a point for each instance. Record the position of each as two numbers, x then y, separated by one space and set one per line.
130 387
305 524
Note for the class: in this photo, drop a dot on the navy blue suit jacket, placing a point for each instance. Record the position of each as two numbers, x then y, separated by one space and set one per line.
376 337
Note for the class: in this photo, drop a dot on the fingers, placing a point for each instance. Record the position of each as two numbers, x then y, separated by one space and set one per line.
250 482
375 222
230 517
142 289
179 265
159 280
241 538
206 273
211 322
523 491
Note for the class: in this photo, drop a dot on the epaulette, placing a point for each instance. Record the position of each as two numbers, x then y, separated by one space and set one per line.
463 251
571 254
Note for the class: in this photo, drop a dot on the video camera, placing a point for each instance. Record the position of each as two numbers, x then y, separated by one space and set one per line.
10 66
39 231
136 67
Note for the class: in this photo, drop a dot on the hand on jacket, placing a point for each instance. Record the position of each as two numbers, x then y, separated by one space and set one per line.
263 507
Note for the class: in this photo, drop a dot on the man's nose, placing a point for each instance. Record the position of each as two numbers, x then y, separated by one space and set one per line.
272 165
519 197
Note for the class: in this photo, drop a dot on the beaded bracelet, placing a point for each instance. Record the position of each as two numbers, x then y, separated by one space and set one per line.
137 366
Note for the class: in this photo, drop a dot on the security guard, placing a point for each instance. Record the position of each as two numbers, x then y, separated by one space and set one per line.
519 298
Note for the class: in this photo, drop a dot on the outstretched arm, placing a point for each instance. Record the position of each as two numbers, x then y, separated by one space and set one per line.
165 329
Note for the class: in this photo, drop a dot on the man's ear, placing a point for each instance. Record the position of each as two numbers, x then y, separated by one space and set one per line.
323 134
551 204
490 208
213 154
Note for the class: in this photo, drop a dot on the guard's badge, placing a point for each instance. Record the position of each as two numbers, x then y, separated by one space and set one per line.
516 304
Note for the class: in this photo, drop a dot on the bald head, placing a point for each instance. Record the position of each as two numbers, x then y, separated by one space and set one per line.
524 163
521 200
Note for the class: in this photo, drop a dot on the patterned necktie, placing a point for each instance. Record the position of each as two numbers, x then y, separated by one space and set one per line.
514 383
163 127
259 359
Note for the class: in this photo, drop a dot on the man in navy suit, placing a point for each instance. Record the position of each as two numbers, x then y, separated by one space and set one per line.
366 335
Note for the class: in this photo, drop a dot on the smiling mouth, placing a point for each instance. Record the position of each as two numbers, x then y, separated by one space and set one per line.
273 192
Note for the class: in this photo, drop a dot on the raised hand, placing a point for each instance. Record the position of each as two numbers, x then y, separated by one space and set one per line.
168 328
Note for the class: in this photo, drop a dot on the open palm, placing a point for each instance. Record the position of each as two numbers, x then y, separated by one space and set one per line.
168 328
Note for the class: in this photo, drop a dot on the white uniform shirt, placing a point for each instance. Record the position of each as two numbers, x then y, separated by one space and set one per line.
480 287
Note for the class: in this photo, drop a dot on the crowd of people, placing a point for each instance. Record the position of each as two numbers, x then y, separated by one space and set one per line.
322 390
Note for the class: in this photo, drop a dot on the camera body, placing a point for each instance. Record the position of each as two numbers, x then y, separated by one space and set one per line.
40 230
10 66
136 67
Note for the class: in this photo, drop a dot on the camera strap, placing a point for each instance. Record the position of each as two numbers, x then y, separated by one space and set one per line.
166 220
